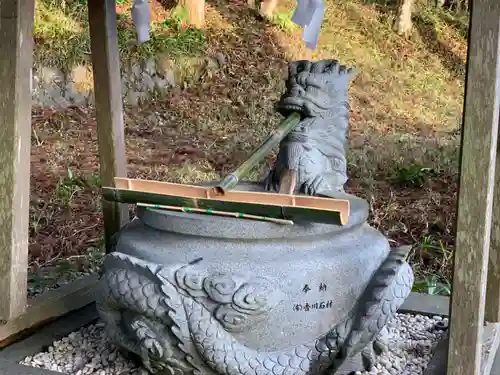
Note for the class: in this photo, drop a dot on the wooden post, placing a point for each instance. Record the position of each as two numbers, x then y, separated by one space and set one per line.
16 35
109 107
475 200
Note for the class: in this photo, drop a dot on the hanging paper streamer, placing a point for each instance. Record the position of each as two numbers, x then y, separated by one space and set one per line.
309 14
141 17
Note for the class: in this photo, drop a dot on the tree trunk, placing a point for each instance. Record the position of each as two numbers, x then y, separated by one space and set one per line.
267 7
195 12
403 24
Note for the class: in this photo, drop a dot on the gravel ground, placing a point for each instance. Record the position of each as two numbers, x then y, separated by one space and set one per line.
412 339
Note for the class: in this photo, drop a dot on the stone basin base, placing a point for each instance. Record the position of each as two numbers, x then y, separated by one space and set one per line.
193 293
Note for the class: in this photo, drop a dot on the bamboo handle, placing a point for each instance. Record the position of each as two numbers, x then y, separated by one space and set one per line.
232 179
217 213
288 181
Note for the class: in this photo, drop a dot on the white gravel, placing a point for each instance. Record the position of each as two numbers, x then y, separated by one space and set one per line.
412 339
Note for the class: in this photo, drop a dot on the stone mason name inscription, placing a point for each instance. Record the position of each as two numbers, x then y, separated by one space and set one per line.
320 305
317 305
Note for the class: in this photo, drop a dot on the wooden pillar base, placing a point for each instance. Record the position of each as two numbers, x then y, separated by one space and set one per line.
16 35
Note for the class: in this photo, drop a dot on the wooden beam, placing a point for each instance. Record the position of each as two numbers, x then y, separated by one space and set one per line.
44 337
49 306
12 368
16 35
437 363
109 107
492 308
475 200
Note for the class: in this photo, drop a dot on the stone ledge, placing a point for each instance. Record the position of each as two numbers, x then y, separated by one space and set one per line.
419 303
51 87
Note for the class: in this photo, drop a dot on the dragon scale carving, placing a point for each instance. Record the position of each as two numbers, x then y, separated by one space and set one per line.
177 328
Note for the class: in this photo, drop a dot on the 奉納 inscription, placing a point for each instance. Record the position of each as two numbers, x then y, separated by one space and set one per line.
321 287
320 305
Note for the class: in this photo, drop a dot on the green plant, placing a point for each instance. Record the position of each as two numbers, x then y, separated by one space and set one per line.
95 259
68 186
414 176
178 17
118 2
166 37
432 285
429 244
61 26
283 21
95 181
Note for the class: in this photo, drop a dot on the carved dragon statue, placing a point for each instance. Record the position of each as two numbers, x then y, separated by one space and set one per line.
180 319
315 151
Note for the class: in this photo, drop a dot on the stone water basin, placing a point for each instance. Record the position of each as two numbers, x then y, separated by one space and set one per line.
304 278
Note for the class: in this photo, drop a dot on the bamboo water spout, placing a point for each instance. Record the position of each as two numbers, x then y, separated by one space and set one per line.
232 179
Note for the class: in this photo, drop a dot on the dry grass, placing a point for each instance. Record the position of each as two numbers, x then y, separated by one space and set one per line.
406 108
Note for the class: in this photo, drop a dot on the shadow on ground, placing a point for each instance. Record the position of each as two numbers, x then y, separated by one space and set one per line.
451 61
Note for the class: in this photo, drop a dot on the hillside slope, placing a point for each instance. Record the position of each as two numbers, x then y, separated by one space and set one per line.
406 109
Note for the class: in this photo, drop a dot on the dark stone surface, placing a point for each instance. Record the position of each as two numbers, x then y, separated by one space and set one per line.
12 368
424 304
437 364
